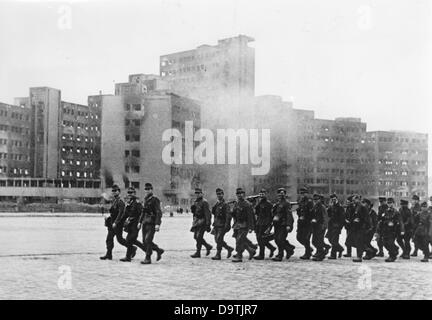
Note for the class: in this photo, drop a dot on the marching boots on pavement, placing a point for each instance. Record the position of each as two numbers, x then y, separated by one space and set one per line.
243 217
114 225
415 209
370 250
319 217
336 215
348 227
150 220
221 224
263 213
404 241
201 222
423 231
304 227
132 214
283 223
389 228
360 224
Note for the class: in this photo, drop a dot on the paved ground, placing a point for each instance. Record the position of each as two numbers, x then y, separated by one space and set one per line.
58 258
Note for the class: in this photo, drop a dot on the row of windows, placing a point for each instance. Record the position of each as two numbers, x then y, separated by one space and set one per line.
67 149
194 68
402 194
14 115
78 138
364 182
14 143
77 162
401 162
133 107
407 140
135 122
403 173
80 113
15 129
14 156
14 171
190 58
133 169
134 153
80 125
77 174
132 138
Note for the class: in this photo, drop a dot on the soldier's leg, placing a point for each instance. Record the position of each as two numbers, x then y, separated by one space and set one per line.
119 236
199 237
408 236
334 241
401 243
130 239
240 243
380 244
259 233
109 241
148 236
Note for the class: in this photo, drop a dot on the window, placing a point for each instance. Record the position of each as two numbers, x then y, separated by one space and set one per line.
137 107
127 107
127 169
137 122
127 152
135 184
127 122
127 137
135 153
136 137
136 169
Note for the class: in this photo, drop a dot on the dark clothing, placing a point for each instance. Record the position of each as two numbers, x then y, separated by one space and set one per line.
336 214
264 218
416 209
221 223
381 210
371 251
404 241
115 211
243 217
360 225
389 228
132 215
423 220
282 218
151 216
304 228
319 226
349 212
201 222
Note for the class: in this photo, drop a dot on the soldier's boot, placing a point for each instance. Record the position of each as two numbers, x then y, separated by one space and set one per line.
159 254
217 256
196 255
237 258
260 256
426 258
348 254
278 258
107 256
391 259
307 254
147 260
272 251
326 248
133 253
252 253
380 254
318 257
406 256
230 251
208 248
415 253
126 259
357 259
332 254
340 251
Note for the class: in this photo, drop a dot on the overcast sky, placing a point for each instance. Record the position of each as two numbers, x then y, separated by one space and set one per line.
360 58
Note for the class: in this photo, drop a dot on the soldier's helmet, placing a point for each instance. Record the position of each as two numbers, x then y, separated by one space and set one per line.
415 197
115 188
424 204
240 191
404 202
148 186
131 192
219 190
382 199
390 200
280 190
316 196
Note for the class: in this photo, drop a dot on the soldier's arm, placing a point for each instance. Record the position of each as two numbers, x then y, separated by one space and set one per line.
207 213
290 218
158 212
250 215
401 223
228 217
121 211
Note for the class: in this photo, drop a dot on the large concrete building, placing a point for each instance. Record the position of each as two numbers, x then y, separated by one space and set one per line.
51 143
222 78
134 121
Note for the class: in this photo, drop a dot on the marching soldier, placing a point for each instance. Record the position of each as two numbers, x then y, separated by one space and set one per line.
132 214
263 213
370 250
283 224
243 216
201 223
415 209
318 227
336 215
388 228
360 224
304 228
114 225
150 220
350 209
382 208
221 224
422 233
404 241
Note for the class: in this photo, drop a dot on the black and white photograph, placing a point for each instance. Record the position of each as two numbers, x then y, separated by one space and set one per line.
226 151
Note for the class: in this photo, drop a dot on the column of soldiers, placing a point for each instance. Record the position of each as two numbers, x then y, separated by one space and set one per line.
316 221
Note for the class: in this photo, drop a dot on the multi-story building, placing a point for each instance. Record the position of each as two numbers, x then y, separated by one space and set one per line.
401 167
334 155
134 121
222 78
14 141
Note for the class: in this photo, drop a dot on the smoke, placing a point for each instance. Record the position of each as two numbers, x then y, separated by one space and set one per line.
109 181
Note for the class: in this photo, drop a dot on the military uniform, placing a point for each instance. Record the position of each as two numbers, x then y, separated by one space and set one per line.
200 224
381 211
389 228
132 215
282 218
319 226
348 227
263 213
360 224
336 214
404 241
371 251
423 231
150 218
243 217
304 228
416 209
221 225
